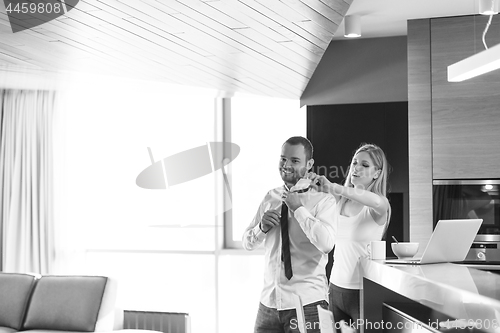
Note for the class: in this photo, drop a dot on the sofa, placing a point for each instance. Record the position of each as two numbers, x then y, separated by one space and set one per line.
44 304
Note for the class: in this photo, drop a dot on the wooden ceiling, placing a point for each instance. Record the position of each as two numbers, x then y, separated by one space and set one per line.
264 47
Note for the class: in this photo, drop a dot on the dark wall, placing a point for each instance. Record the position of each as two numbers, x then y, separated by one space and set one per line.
336 131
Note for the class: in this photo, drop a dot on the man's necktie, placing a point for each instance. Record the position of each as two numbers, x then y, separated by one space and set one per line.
285 242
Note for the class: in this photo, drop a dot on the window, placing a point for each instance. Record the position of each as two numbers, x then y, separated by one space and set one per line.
259 125
108 132
157 243
162 245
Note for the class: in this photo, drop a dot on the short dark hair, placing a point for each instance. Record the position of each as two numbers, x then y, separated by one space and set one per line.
299 140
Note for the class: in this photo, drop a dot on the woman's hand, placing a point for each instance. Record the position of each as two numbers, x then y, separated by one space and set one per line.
320 183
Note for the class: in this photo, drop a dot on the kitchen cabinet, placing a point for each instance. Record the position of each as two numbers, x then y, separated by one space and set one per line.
465 115
452 127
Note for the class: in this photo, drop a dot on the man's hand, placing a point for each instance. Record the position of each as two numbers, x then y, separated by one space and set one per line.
292 200
270 219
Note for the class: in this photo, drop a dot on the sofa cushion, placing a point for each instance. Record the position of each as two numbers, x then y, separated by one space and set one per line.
65 303
7 330
15 290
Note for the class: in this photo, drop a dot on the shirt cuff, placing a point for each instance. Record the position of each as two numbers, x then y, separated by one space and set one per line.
259 234
301 214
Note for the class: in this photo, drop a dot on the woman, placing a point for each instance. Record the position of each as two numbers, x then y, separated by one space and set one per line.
363 214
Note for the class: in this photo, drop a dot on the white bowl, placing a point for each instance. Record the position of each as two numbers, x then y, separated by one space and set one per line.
404 249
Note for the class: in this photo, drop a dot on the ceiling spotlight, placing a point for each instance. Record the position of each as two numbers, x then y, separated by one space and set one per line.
352 26
488 7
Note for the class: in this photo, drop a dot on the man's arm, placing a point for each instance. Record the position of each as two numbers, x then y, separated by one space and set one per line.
262 223
319 228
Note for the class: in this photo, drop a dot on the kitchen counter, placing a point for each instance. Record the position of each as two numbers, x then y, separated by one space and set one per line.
493 266
451 290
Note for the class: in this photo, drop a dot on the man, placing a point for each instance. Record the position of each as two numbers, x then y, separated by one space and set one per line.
311 236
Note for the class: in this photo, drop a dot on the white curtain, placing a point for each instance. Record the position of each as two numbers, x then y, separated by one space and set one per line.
26 180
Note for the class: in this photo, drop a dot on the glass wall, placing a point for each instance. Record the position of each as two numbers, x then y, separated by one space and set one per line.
259 125
158 243
163 245
115 133
162 282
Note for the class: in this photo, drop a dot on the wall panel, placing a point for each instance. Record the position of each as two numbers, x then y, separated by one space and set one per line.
420 131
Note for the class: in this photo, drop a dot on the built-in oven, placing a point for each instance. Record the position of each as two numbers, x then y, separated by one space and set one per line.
471 199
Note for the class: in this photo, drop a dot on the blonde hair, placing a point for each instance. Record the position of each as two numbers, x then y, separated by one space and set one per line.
379 185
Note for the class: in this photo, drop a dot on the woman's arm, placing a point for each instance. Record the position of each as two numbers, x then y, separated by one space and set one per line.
377 204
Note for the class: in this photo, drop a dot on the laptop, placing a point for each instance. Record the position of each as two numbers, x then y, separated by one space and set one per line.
450 241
